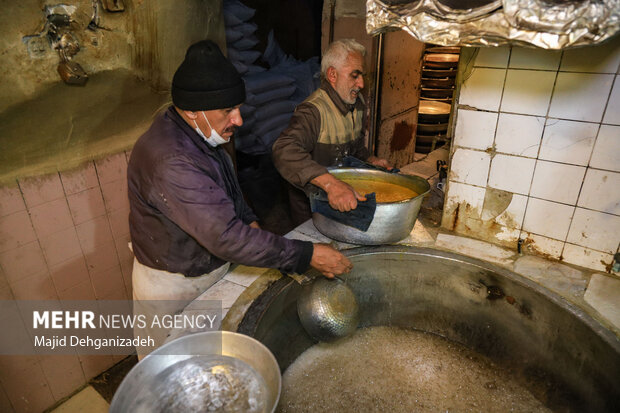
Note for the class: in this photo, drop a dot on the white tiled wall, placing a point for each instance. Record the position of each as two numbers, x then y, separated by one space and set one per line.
606 154
612 114
483 89
568 141
580 96
504 173
527 92
543 128
526 129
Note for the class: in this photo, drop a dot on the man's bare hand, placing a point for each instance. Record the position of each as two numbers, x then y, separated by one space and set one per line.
379 162
329 261
341 196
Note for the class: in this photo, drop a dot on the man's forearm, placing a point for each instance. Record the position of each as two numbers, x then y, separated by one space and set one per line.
325 181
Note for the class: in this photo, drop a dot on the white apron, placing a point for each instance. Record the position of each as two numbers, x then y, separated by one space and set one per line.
157 292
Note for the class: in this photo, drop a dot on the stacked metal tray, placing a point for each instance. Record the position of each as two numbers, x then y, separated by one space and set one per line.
439 69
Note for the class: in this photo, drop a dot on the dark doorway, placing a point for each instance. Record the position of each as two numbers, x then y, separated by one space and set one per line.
296 25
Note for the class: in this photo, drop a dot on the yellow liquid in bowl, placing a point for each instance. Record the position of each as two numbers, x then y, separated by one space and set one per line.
385 191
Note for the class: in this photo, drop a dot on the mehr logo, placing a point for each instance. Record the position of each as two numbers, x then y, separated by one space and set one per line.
63 319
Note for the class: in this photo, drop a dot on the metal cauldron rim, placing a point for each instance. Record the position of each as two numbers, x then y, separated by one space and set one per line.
262 302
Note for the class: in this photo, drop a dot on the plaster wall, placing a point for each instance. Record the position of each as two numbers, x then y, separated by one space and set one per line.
148 37
164 29
130 56
30 66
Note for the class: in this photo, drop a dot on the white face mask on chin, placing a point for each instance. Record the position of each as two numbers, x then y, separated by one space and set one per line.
215 139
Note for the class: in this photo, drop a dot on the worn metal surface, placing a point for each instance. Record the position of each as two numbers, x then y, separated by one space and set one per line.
328 309
138 390
392 221
567 359
539 23
398 95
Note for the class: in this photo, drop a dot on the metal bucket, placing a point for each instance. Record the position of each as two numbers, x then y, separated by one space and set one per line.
214 370
392 221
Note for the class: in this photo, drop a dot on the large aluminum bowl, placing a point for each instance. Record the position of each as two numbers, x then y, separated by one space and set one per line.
392 222
148 385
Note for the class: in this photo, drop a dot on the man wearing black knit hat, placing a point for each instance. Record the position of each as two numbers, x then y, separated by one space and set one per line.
188 219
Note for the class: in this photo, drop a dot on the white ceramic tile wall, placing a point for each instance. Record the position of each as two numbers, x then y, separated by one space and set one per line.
475 129
492 57
557 182
513 215
547 246
600 191
606 154
483 89
519 134
594 229
511 173
555 118
466 194
586 257
470 167
612 113
604 58
537 59
580 96
527 92
547 218
568 141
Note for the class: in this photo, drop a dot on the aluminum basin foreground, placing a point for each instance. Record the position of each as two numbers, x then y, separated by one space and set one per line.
563 356
162 381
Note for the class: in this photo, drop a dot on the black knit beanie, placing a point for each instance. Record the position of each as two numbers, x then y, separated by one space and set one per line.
206 80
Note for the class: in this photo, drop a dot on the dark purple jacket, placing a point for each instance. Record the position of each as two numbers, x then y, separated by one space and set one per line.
187 212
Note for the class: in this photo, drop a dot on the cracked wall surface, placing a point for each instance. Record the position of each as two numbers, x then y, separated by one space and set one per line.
535 160
129 57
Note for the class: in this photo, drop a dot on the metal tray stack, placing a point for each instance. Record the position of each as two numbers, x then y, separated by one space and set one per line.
439 68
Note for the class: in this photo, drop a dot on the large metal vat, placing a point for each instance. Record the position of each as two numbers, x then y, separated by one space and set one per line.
562 355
